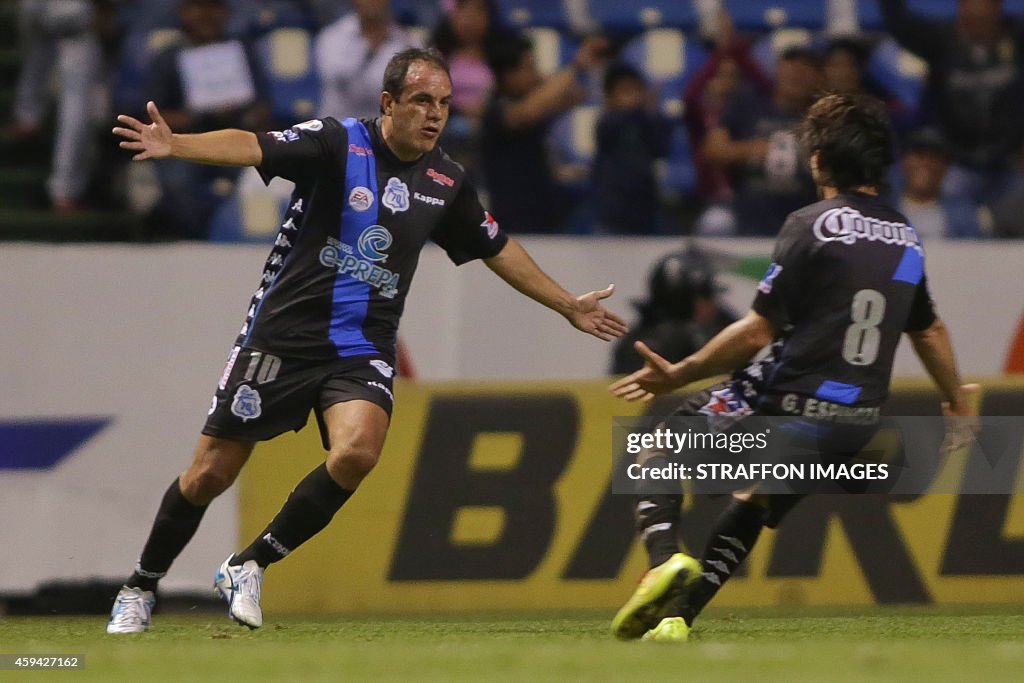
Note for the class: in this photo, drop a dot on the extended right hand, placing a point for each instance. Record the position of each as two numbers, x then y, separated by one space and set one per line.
657 376
152 141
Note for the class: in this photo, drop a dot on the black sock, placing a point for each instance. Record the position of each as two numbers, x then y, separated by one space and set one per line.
309 508
657 519
731 541
175 524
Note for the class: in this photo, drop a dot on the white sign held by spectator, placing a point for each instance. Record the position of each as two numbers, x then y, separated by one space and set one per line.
216 77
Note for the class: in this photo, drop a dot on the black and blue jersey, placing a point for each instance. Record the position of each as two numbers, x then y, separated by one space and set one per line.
847 279
335 282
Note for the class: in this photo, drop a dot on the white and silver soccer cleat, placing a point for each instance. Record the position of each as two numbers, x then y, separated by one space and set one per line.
132 611
240 588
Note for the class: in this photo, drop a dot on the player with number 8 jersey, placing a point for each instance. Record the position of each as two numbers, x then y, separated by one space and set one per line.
846 281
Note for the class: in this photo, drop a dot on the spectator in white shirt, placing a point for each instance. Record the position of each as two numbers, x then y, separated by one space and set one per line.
351 55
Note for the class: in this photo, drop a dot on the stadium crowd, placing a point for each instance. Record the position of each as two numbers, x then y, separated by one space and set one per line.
583 117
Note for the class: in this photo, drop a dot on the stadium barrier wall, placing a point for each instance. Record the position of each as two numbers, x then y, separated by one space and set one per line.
495 496
110 354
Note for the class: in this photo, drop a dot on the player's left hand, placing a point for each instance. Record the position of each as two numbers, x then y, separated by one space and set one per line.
657 376
591 317
961 415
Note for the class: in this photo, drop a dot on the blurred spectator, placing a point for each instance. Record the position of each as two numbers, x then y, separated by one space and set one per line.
975 88
730 68
462 36
60 33
845 69
351 55
757 139
207 82
1008 210
519 177
681 313
631 135
924 164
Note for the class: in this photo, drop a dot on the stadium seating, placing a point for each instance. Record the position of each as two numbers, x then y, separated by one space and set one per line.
527 13
662 54
132 72
287 56
900 73
765 16
630 17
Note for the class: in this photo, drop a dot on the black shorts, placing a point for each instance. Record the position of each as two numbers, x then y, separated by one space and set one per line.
261 395
725 408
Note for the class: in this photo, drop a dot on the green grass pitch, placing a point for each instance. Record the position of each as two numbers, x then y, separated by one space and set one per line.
863 644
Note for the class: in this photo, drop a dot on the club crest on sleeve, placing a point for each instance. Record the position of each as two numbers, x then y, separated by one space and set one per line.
383 368
490 224
360 198
247 403
396 196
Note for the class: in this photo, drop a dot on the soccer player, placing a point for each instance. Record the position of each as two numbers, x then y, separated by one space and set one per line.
847 280
321 326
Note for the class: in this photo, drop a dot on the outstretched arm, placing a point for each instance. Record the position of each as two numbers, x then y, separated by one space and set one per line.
727 350
585 313
157 141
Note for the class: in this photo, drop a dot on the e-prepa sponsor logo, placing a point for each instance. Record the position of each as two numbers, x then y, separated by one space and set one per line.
359 262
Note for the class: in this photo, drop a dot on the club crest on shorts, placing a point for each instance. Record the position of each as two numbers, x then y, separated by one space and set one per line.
396 196
247 403
383 368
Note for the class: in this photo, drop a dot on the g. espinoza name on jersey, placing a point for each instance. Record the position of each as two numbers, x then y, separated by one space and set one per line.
846 225
342 257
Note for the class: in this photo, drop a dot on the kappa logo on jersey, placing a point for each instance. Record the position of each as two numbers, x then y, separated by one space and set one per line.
490 224
360 198
284 135
427 199
313 126
247 403
767 282
440 178
846 225
373 242
383 368
396 196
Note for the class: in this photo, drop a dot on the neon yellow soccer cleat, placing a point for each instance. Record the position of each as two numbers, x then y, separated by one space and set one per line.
679 572
669 630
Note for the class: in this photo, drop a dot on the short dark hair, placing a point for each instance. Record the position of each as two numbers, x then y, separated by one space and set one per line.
507 54
856 48
853 138
618 73
801 53
398 67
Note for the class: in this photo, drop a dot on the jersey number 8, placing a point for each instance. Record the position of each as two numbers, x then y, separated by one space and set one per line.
860 346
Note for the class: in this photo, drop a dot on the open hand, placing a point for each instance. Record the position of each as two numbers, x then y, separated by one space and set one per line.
657 376
591 317
152 141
